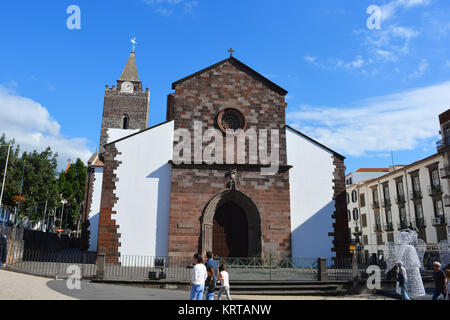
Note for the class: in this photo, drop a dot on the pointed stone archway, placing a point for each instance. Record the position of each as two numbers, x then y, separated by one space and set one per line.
253 219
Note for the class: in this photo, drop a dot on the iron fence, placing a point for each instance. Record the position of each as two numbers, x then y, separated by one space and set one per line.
51 264
132 267
140 268
339 269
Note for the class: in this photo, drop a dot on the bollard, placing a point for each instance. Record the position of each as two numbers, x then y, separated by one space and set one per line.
101 260
322 273
355 275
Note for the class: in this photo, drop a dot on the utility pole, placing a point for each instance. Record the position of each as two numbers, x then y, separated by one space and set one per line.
45 213
4 174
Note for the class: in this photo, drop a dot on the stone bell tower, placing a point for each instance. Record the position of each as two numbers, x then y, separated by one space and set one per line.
127 105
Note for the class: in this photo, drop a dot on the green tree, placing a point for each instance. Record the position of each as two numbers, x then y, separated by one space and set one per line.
71 186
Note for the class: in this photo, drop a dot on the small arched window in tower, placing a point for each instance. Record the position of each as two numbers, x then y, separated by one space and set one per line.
125 121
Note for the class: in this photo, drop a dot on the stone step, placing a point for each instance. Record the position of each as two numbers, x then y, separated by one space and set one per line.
284 287
336 292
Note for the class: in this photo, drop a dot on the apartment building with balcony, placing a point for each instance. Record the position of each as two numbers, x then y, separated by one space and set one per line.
415 196
364 174
412 197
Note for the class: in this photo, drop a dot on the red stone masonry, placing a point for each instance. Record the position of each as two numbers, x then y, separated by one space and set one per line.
341 235
201 98
108 238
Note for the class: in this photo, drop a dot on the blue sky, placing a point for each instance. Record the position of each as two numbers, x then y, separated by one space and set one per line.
361 92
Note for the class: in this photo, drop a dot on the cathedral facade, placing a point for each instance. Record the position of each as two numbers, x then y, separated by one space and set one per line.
224 173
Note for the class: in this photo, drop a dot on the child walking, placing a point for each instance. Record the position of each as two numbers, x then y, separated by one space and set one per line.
210 284
224 282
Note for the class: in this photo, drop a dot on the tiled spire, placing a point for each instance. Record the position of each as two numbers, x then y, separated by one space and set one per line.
130 71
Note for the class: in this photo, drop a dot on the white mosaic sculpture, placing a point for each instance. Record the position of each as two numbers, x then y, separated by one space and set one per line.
444 252
409 251
421 248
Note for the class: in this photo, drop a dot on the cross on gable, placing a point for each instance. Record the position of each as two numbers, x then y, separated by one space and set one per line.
231 51
133 41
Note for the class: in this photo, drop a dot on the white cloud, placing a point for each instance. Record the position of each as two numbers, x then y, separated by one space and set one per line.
167 7
310 59
32 126
355 64
420 71
401 121
389 10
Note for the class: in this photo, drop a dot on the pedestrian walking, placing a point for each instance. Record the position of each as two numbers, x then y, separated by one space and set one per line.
3 250
402 279
198 279
211 263
210 284
447 273
224 282
440 281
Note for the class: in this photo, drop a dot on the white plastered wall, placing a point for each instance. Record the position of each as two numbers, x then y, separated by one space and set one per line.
94 212
143 192
311 193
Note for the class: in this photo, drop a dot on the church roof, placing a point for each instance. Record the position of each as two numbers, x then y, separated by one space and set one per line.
337 155
94 161
241 66
130 72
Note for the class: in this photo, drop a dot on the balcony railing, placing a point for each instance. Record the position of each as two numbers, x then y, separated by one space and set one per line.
420 223
376 205
389 227
440 144
377 228
402 225
447 200
386 202
400 199
439 221
434 190
445 173
415 195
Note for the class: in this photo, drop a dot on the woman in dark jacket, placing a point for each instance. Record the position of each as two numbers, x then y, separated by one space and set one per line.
3 250
210 284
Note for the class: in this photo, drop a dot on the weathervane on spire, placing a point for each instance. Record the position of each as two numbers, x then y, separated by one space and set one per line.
133 41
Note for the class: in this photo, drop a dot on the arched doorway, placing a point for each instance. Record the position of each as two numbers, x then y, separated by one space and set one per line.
216 216
230 231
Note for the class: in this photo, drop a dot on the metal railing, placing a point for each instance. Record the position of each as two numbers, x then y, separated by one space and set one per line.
375 205
402 225
420 223
389 227
445 172
434 190
415 195
386 202
51 264
400 199
377 228
240 269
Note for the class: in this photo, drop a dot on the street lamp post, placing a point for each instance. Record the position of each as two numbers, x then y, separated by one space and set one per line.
4 174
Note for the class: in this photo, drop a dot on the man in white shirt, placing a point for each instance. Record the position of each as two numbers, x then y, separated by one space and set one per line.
199 276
